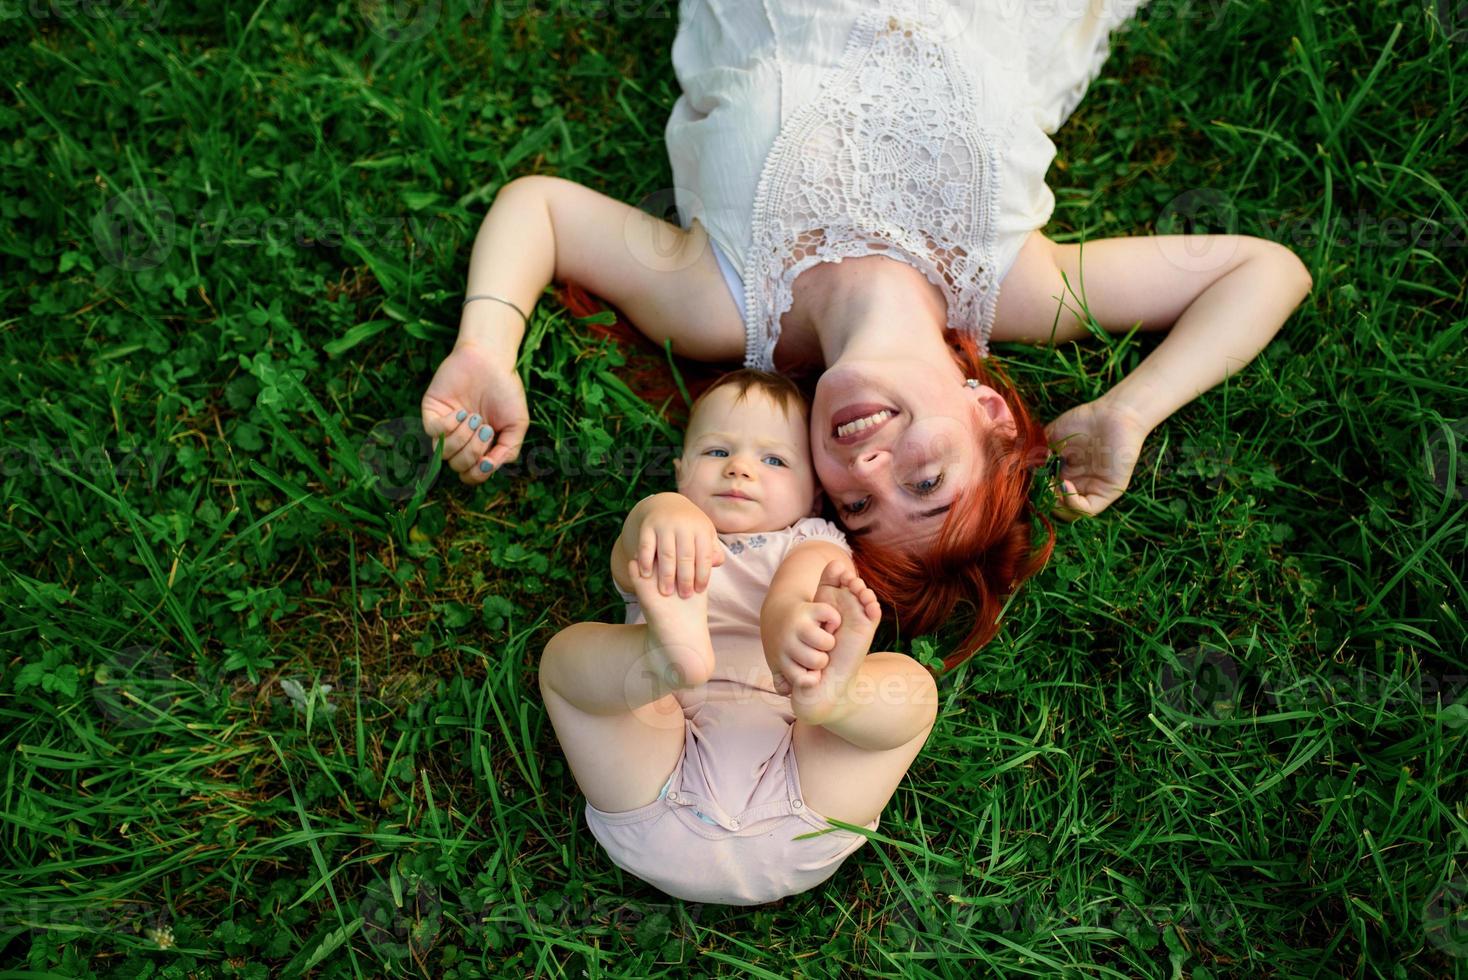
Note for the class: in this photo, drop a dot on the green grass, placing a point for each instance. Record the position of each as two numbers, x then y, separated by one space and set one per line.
1222 734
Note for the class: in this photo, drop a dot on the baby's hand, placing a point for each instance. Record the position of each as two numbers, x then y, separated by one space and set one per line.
806 638
679 544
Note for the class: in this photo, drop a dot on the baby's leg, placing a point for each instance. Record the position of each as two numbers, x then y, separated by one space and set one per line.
852 781
608 691
858 731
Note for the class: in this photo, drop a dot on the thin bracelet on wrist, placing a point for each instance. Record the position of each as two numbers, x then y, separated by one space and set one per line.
470 299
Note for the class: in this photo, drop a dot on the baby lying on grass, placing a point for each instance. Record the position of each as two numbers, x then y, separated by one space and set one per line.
738 708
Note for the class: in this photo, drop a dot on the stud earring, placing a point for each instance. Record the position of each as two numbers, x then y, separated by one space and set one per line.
971 382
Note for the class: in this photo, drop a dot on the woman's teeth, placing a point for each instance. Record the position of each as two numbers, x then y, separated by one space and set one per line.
862 423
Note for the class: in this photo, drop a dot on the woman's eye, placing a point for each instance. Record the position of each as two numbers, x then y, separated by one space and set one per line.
774 461
924 487
719 453
851 510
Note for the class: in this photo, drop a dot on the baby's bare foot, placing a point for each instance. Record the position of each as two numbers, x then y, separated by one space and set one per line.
679 651
860 613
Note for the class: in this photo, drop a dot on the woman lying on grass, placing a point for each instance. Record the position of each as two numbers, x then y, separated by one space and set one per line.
856 183
739 707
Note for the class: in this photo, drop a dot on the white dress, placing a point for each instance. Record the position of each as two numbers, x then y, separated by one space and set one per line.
918 129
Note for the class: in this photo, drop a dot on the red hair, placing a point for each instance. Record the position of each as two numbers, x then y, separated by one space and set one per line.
985 548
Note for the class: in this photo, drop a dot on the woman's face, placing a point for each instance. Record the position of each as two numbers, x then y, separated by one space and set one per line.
895 441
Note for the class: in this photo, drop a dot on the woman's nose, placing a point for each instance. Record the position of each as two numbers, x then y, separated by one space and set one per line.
868 463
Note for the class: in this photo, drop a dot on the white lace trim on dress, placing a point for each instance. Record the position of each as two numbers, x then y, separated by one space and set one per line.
889 160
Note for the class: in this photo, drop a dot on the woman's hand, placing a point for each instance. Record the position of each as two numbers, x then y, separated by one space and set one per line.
1099 443
476 401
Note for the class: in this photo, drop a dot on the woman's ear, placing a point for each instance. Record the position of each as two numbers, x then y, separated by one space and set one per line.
994 408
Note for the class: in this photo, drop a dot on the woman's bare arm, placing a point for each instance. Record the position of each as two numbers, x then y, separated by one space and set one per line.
664 278
1146 282
1220 297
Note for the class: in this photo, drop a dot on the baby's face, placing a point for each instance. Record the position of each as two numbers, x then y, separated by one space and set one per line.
746 464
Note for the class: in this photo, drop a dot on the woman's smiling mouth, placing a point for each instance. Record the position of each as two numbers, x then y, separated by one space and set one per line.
856 423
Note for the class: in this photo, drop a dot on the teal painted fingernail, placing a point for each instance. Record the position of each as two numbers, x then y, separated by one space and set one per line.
485 433
474 421
485 466
460 416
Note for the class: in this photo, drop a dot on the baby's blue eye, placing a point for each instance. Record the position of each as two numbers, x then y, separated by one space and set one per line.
774 460
720 453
